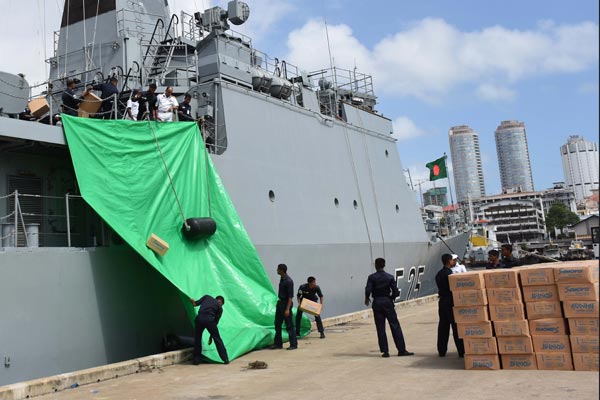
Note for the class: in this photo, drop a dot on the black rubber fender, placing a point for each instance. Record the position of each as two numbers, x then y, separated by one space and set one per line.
199 228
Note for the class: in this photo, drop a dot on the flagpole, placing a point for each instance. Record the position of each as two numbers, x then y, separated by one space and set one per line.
449 180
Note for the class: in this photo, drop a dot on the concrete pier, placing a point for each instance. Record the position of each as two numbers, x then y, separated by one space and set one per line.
345 365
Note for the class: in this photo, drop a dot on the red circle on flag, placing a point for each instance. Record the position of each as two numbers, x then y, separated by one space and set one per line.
436 170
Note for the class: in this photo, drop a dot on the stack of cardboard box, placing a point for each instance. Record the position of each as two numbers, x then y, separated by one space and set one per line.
578 290
508 313
473 322
525 305
546 322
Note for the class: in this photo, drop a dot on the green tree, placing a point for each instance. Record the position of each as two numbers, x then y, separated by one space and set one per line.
560 216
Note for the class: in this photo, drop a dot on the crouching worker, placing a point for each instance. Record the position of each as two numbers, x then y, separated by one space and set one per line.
208 317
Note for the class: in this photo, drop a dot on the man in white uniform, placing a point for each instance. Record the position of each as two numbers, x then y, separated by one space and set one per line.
458 268
133 105
166 104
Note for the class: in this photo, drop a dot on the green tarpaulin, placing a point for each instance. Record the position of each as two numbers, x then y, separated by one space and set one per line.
122 176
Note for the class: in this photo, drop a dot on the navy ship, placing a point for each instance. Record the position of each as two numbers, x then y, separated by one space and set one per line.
307 160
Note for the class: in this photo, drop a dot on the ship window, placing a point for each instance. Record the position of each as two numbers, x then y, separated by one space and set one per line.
336 202
387 154
397 208
271 195
355 204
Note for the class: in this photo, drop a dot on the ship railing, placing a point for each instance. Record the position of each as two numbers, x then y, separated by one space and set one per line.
130 23
33 220
343 79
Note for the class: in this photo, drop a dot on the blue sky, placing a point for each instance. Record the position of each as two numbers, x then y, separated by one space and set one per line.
435 64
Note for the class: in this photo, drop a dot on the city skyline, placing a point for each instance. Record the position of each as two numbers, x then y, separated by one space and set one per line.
435 65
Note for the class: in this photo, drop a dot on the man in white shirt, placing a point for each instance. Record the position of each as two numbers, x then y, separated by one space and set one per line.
133 105
458 268
166 104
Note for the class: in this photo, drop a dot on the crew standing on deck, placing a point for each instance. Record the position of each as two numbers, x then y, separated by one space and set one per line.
107 94
382 286
310 290
283 310
445 313
70 102
208 317
148 104
185 109
166 104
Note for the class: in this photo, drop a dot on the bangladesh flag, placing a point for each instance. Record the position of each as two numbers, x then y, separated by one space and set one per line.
437 169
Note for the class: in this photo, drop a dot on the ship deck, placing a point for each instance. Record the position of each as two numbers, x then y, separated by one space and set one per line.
345 365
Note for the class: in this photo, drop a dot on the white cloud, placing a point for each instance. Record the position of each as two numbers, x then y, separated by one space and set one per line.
405 128
494 92
432 57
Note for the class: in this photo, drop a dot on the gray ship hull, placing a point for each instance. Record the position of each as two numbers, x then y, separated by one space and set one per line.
312 170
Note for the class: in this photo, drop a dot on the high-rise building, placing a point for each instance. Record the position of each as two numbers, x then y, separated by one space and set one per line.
436 196
513 157
466 163
580 166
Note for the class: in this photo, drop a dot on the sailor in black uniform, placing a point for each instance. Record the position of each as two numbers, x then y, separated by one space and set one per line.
310 290
70 101
208 317
445 309
283 310
384 289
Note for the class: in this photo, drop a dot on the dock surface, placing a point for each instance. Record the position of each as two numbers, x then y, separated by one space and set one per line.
345 365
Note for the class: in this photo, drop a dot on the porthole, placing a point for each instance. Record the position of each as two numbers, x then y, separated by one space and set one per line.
271 195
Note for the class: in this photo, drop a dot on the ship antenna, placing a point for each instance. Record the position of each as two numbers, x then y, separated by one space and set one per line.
329 50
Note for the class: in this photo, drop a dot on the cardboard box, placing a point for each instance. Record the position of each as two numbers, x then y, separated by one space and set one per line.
578 291
585 344
551 344
158 245
582 272
511 328
581 309
518 361
504 296
474 345
584 326
506 312
90 105
466 281
515 345
540 293
475 329
548 326
505 278
543 310
311 307
469 298
471 314
533 276
585 361
482 362
38 107
554 361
